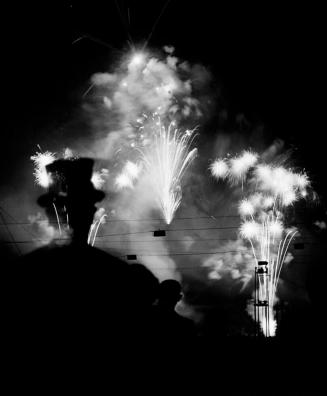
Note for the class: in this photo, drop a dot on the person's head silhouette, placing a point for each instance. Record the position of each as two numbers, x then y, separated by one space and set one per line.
170 292
71 188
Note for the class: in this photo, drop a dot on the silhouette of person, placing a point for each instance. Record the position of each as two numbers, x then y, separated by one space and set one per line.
143 291
72 293
169 324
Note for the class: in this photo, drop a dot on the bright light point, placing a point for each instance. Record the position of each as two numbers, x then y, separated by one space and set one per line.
249 158
132 170
272 326
263 172
302 181
288 198
219 169
250 230
268 202
123 181
246 208
42 178
97 180
138 59
41 160
241 165
276 228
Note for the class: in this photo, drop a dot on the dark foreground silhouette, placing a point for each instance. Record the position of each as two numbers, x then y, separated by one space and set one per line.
75 295
169 324
76 318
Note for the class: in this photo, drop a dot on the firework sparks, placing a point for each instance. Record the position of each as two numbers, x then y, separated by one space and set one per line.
283 184
41 160
219 169
239 166
99 178
235 169
42 177
166 161
246 208
129 174
132 170
272 190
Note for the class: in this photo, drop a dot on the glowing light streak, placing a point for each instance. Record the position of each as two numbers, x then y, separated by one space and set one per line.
58 221
166 161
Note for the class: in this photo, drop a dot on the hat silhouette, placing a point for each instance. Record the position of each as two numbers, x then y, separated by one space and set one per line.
71 182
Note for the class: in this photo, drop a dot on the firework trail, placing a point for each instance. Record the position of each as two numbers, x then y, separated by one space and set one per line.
166 160
270 190
99 218
98 180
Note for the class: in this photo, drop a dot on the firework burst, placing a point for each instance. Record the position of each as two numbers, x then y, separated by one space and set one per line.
41 160
128 176
271 190
166 160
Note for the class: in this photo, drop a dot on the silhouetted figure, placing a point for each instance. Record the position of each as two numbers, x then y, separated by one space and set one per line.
169 324
72 294
143 291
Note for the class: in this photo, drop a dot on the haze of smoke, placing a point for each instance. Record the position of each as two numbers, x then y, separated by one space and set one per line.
174 89
145 83
321 224
138 204
43 231
236 263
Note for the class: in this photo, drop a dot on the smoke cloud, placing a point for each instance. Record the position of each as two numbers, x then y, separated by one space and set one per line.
145 83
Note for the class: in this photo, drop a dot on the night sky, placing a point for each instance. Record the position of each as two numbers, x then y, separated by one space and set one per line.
266 62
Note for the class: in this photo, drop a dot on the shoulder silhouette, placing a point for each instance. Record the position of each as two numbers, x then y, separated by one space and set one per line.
169 324
74 292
